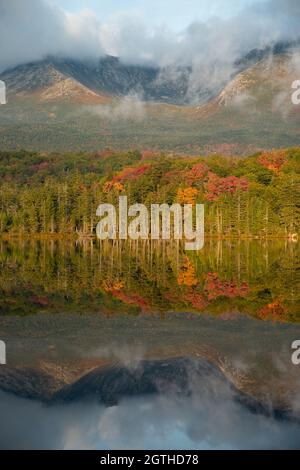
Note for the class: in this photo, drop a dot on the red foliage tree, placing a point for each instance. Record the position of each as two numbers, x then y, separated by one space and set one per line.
131 299
216 186
196 299
274 311
197 173
273 160
130 173
177 175
215 288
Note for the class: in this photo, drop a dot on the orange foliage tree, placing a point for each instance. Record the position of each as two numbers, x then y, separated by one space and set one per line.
187 195
127 174
187 274
274 311
273 160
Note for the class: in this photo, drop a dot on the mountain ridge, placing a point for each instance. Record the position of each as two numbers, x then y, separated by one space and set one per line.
110 78
59 105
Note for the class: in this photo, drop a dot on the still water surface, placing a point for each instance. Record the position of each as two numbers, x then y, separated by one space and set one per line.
139 345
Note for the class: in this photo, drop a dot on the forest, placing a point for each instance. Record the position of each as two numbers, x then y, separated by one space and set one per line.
58 194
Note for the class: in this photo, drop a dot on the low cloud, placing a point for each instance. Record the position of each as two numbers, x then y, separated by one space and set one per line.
209 48
55 31
31 30
209 419
129 356
131 107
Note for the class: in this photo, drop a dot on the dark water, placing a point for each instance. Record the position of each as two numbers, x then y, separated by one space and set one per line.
146 346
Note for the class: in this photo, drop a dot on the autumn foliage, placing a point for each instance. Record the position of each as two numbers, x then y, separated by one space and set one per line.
197 173
196 299
131 173
274 311
127 174
109 185
257 196
131 299
273 160
216 186
215 288
116 289
187 274
116 286
187 195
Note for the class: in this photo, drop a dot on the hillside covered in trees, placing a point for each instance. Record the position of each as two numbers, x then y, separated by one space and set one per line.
257 196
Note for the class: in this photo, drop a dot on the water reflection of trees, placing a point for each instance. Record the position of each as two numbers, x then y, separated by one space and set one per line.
258 278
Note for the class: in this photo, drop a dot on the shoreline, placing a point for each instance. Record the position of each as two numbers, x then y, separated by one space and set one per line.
76 238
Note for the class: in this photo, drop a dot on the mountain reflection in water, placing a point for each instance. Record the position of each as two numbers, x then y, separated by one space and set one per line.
147 346
199 410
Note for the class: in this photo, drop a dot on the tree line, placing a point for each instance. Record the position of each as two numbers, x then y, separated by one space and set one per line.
257 196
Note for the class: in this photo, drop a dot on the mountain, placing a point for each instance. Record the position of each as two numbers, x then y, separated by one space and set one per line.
109 385
266 86
46 82
66 105
105 78
97 81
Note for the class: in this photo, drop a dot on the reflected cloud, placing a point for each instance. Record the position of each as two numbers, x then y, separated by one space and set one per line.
156 422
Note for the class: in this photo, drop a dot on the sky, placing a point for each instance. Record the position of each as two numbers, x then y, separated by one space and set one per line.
177 14
208 35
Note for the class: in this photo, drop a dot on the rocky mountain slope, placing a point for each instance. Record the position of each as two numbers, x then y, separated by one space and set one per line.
266 85
109 385
106 78
67 105
59 78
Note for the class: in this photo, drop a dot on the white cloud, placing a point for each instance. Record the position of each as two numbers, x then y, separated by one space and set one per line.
211 418
33 29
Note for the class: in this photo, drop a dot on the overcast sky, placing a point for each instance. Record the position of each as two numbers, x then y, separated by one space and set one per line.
177 14
208 33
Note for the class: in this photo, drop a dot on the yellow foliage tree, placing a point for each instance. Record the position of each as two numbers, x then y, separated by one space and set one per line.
187 195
